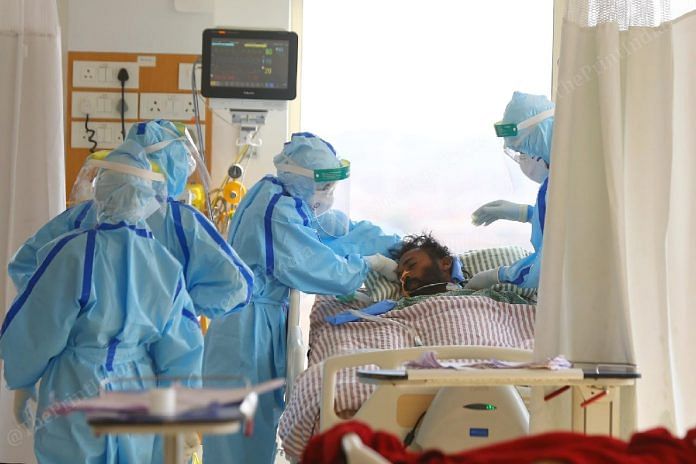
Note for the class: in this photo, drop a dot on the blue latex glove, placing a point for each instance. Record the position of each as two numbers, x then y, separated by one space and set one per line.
374 310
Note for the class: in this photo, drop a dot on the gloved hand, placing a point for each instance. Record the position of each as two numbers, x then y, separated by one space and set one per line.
499 209
192 443
483 279
383 265
358 296
22 412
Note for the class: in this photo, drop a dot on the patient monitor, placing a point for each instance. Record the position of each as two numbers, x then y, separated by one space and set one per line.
249 72
254 69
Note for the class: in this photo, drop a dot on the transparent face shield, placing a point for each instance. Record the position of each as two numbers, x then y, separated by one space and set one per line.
195 160
533 167
330 200
83 188
196 163
194 157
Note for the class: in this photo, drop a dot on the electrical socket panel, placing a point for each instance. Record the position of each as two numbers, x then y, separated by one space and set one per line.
104 105
106 134
104 74
185 76
173 106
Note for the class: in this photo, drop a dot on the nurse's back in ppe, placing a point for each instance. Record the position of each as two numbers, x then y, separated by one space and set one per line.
216 279
104 303
275 231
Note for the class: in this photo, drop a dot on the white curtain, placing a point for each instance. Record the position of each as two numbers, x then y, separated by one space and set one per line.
617 275
32 173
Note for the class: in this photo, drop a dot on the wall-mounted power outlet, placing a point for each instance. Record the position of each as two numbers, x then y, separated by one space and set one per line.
104 105
174 106
185 76
104 74
106 134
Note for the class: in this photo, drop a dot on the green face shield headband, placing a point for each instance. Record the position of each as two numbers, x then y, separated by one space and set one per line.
512 130
321 175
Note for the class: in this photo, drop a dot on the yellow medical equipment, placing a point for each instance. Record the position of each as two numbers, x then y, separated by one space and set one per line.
196 195
225 199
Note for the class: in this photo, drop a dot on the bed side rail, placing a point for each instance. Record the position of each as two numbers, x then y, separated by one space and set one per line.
296 353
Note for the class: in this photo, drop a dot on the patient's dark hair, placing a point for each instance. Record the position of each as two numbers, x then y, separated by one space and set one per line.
425 242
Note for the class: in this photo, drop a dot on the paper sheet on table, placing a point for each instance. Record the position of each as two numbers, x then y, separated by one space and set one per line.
429 361
187 399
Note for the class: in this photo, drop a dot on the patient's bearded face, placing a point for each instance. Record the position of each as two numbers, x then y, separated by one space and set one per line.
417 268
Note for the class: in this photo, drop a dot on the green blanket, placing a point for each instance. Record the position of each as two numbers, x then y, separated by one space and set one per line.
502 296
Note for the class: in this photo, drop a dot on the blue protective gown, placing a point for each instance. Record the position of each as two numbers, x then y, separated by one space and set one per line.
363 238
525 272
107 302
217 280
273 234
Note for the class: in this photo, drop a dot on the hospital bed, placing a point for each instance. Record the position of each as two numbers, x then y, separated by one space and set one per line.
337 352
329 390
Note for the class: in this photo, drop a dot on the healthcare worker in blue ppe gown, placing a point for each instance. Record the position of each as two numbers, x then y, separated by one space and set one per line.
217 280
527 127
284 229
104 304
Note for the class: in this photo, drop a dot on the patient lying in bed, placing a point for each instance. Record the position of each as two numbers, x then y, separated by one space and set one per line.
426 267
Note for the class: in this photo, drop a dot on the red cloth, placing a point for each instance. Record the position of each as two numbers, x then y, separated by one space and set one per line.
654 446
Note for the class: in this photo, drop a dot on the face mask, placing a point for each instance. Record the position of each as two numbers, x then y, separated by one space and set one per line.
321 201
534 168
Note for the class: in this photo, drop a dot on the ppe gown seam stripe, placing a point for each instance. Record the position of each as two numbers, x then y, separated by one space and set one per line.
179 228
189 315
111 353
19 302
541 200
522 275
179 285
268 233
141 232
212 232
298 207
239 213
87 272
83 213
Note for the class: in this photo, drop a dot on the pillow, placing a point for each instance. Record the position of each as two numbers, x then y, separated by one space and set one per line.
379 288
475 261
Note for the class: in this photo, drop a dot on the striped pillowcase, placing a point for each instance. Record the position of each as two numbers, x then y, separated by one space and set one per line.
473 262
379 288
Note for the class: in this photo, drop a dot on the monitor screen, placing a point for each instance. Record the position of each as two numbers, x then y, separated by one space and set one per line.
249 64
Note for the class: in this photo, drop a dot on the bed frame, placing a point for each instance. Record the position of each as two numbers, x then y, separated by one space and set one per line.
591 406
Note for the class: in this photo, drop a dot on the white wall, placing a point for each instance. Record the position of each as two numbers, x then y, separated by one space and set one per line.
154 26
151 26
